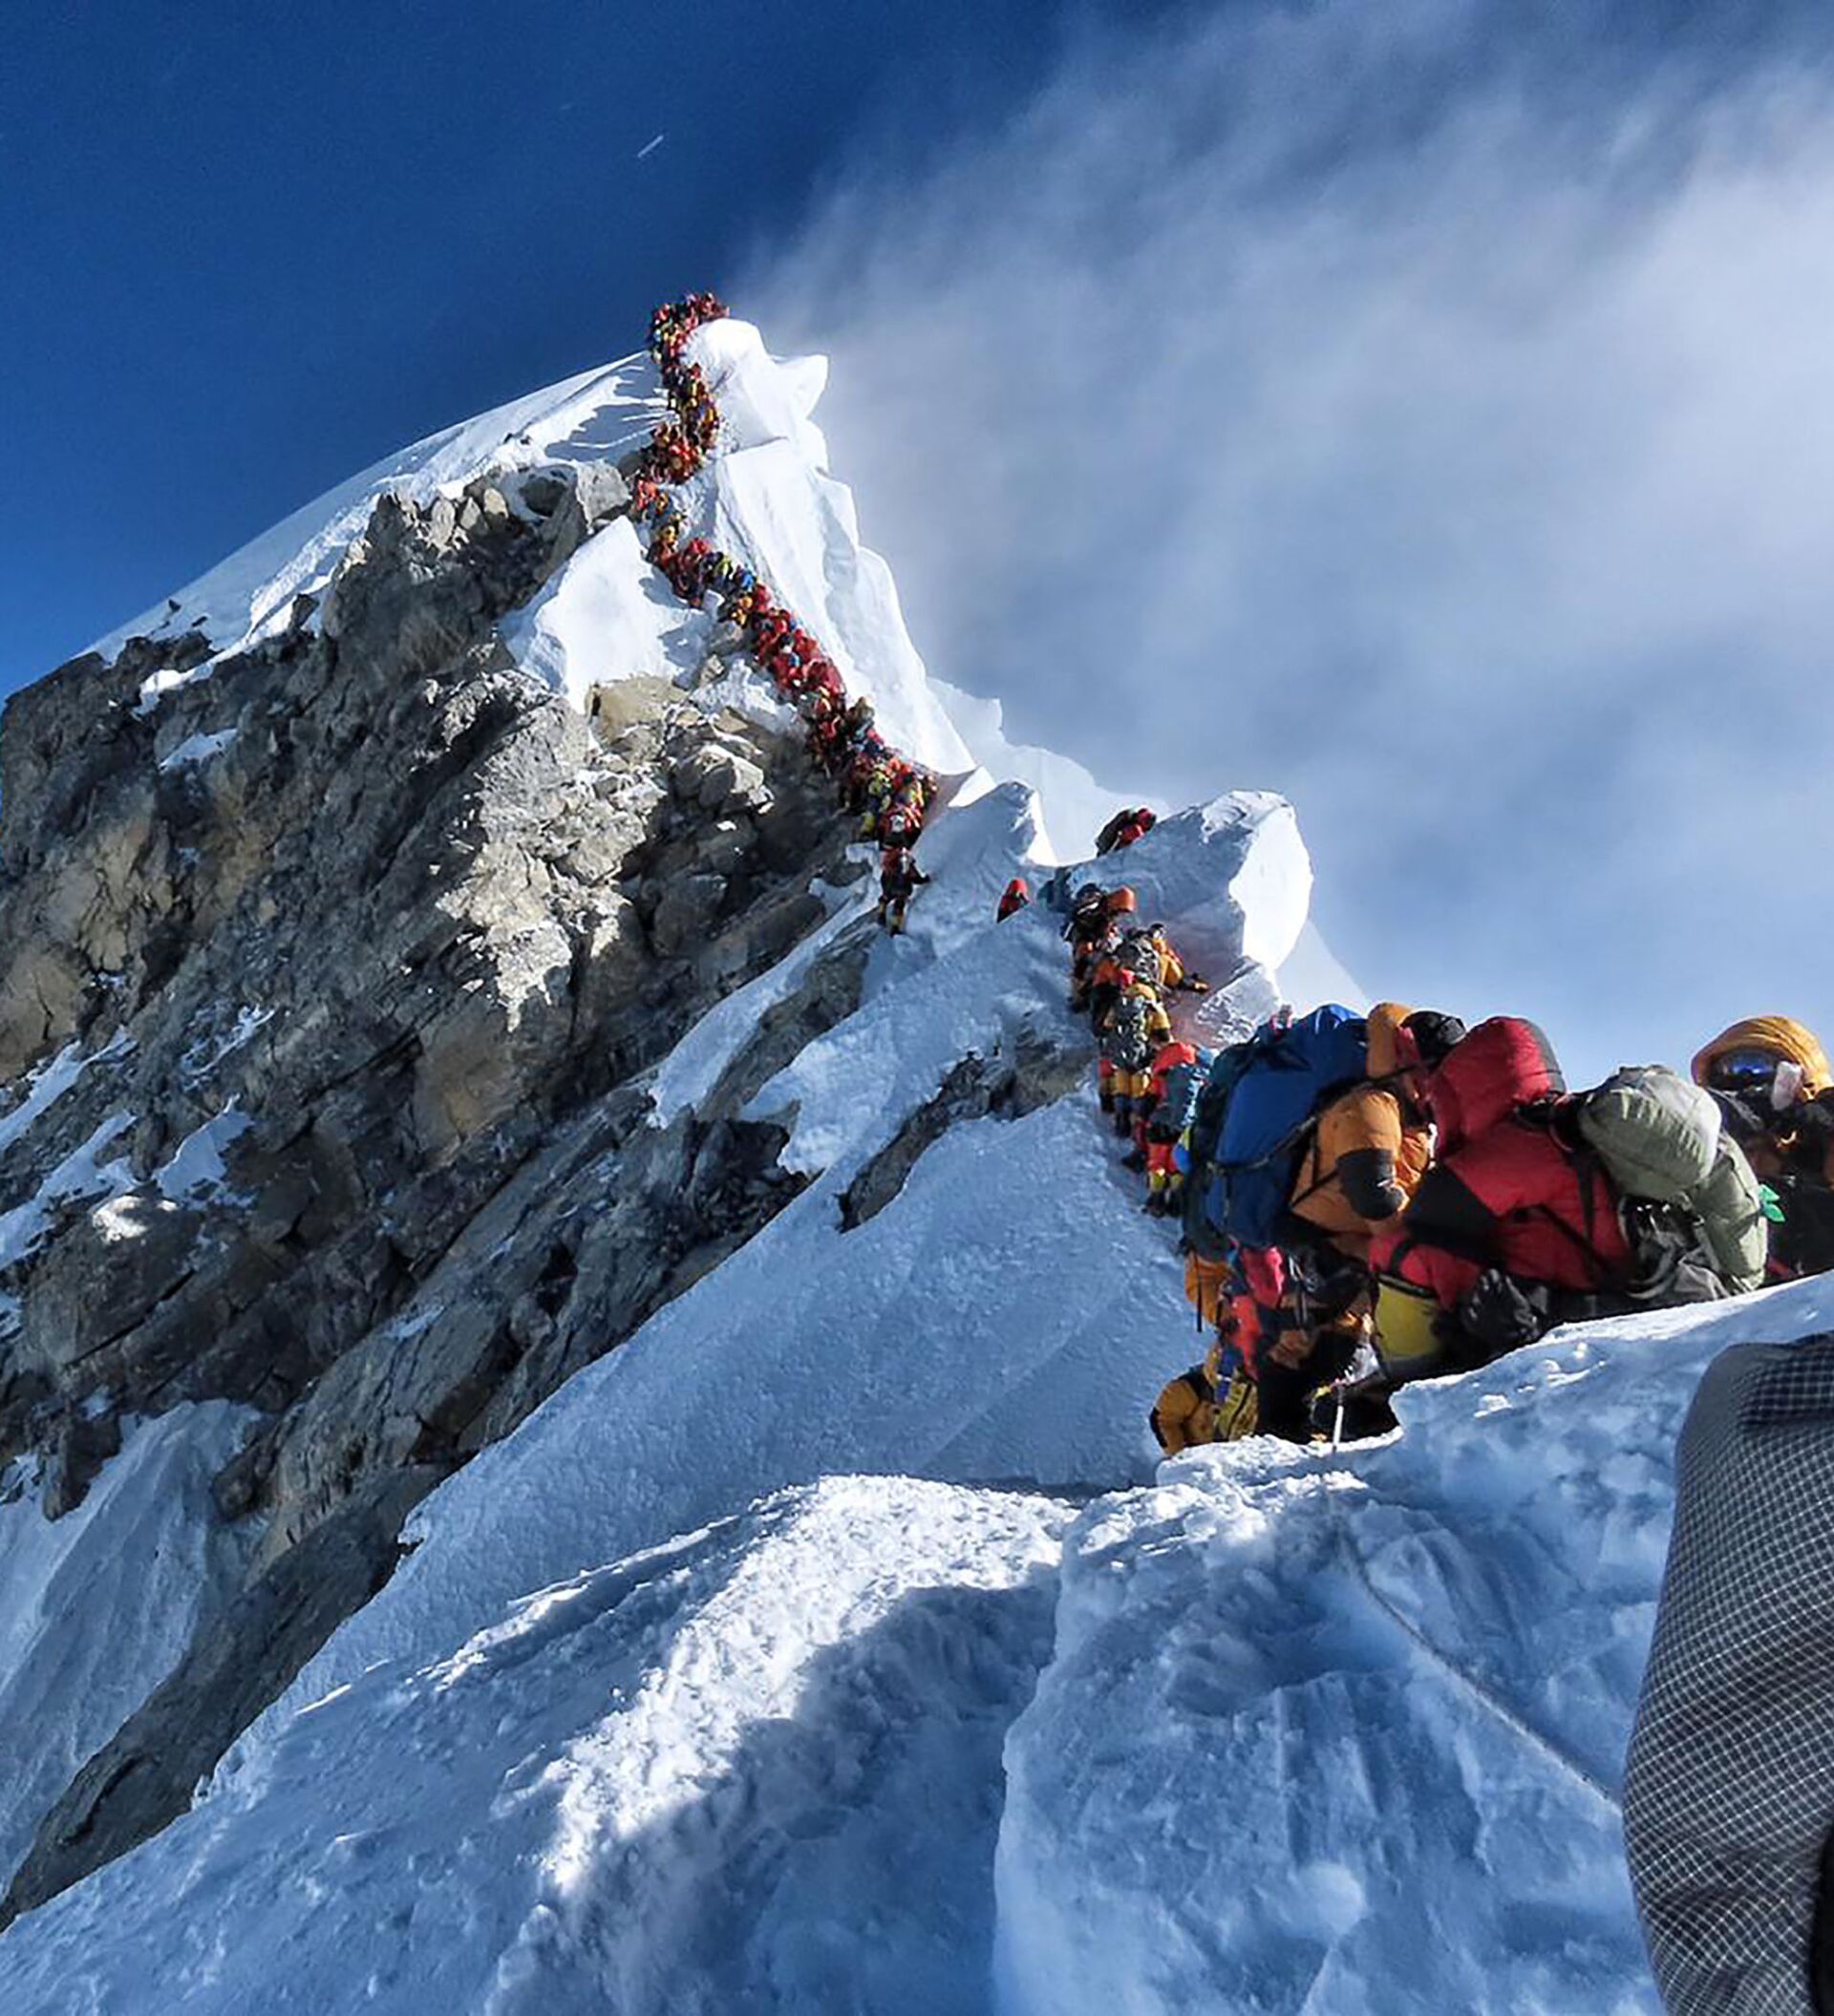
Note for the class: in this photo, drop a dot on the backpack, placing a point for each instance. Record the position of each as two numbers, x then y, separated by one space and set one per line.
1139 955
1127 1039
1251 1121
1662 1143
1178 1102
1207 1241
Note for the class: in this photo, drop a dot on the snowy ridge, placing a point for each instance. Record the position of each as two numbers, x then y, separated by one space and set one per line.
596 415
781 1659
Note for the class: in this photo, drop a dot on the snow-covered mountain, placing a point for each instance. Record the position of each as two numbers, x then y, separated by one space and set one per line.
576 1415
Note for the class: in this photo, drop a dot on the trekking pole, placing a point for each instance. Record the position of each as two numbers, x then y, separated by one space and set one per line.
1337 1418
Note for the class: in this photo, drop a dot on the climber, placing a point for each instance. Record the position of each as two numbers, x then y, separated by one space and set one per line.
1365 1155
899 879
1124 829
888 776
1362 1160
825 727
1511 1230
1772 1080
1119 954
1544 1208
1133 1031
1086 912
1173 1084
1238 1304
1174 976
1018 897
902 822
1085 923
1183 1416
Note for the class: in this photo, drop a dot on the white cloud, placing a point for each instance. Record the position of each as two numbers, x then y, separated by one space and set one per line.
1325 401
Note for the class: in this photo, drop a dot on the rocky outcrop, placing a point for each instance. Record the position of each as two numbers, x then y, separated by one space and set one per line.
1007 1087
336 966
333 967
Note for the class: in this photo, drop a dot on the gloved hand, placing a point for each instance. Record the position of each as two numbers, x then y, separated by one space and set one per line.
1501 1314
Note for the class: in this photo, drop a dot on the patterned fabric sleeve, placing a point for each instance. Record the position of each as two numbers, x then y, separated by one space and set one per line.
1729 1794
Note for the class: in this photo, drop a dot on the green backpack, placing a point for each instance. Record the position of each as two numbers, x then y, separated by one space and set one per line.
1661 1142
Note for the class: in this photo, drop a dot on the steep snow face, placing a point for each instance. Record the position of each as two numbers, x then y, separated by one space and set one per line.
1376 1704
767 498
1008 1315
756 1768
97 1607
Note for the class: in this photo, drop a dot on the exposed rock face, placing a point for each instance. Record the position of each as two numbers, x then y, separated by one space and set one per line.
333 963
1010 1086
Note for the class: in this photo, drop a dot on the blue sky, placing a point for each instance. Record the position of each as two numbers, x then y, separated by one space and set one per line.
1417 409
248 251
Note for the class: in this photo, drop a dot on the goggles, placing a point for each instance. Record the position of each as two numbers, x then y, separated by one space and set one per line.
1743 1071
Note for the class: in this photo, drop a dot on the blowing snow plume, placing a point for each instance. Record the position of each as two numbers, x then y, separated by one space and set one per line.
1433 434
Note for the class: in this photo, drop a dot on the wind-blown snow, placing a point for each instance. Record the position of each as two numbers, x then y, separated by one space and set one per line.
97 1607
1375 1705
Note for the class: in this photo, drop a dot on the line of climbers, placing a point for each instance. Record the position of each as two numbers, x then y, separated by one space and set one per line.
890 795
1364 1200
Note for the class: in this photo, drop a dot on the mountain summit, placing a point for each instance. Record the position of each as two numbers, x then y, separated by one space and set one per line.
430 959
574 1411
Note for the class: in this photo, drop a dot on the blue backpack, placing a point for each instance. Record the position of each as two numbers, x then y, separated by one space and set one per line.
1251 1121
1177 1107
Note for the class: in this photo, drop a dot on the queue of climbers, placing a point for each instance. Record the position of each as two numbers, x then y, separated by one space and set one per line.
1362 1200
1365 1200
889 795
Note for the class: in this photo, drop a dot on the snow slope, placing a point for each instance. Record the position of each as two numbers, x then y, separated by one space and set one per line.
1376 1704
1008 1315
754 1768
1314 1734
97 1607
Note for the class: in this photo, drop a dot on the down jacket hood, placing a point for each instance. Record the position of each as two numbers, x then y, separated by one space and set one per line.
1503 1064
1778 1035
